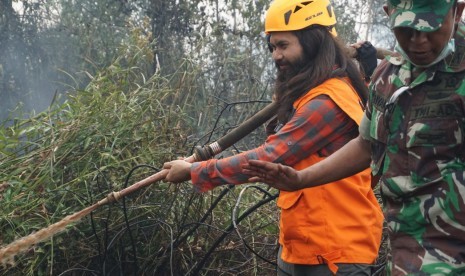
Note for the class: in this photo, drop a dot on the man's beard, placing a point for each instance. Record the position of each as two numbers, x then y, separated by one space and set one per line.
284 77
287 81
292 69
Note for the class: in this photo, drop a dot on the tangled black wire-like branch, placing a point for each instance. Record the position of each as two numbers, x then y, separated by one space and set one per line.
183 233
229 229
234 221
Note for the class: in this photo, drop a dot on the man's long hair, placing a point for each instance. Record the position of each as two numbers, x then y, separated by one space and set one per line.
323 58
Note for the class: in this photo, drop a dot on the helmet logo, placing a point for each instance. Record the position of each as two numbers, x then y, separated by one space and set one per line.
288 14
313 16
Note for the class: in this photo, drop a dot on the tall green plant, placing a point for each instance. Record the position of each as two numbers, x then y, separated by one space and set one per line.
68 157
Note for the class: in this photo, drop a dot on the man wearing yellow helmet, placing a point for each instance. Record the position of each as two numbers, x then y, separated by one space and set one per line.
315 236
320 93
413 135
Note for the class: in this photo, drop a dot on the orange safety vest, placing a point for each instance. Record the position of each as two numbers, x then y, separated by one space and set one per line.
340 222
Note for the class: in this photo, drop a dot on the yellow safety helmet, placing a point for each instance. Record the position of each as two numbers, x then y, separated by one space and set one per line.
292 15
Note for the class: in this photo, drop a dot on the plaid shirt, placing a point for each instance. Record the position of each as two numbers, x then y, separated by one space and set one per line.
319 126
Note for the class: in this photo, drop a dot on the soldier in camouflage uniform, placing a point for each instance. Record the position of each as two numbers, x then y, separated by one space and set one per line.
414 133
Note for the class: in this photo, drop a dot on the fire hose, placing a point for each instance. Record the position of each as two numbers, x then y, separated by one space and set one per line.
8 252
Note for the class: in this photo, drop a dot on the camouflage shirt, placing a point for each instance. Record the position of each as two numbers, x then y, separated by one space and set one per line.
417 128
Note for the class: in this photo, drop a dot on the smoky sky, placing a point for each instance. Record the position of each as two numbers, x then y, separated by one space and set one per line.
28 79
